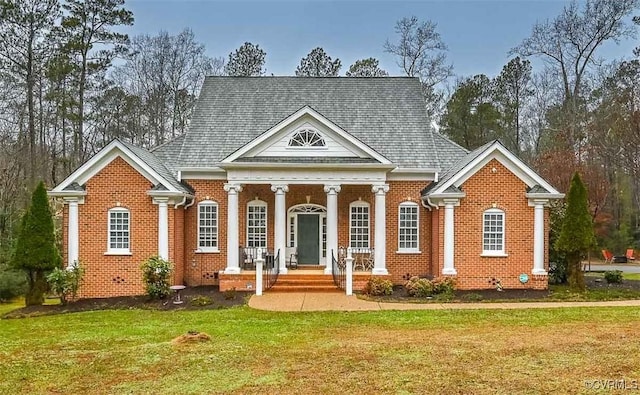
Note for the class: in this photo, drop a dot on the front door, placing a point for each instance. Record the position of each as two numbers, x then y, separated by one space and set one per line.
308 239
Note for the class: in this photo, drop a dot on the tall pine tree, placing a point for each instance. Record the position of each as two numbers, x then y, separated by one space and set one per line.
36 252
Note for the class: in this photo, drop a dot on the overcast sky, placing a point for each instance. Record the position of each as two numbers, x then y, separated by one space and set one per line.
478 33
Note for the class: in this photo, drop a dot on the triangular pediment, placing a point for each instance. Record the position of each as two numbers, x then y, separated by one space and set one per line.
308 136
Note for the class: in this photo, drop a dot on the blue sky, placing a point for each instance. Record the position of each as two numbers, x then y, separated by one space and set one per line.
478 33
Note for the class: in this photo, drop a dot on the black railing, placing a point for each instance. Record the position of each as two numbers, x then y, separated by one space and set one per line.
247 256
270 270
339 271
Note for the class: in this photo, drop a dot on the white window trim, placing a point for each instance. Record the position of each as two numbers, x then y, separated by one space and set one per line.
415 250
257 203
360 203
495 253
118 251
200 249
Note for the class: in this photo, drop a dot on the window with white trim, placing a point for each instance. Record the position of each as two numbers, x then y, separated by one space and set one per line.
208 226
257 224
359 224
408 227
307 138
119 231
493 232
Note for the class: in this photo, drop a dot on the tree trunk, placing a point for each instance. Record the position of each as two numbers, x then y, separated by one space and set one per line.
575 276
37 288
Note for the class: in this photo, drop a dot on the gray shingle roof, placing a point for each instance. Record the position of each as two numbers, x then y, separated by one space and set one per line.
537 189
156 164
459 165
387 114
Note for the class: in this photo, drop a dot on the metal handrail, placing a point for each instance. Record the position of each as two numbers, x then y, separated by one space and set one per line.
270 270
338 272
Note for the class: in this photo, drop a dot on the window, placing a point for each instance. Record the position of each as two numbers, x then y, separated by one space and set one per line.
359 225
408 227
119 231
493 232
208 226
257 224
307 138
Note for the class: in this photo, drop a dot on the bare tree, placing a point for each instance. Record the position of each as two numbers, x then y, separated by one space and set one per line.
24 28
420 52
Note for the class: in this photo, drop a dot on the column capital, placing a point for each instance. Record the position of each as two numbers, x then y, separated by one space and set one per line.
160 200
451 202
537 202
232 188
280 188
332 189
380 189
73 199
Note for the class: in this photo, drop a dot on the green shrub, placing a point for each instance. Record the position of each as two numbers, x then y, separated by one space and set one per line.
65 283
201 300
230 294
613 276
444 285
377 286
155 274
419 287
12 283
558 272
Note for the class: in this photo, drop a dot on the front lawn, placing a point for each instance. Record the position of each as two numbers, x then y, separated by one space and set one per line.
454 351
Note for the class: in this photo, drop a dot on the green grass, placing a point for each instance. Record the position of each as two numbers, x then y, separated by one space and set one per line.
450 351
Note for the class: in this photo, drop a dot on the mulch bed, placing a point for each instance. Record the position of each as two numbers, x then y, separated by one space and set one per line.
400 293
195 298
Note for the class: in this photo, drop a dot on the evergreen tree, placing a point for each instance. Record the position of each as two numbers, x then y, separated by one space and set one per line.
576 235
366 68
36 252
246 61
318 64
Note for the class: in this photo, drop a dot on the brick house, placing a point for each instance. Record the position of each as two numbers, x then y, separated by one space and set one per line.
307 166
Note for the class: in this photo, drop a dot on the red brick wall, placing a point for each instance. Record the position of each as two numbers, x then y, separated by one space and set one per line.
484 190
109 275
202 268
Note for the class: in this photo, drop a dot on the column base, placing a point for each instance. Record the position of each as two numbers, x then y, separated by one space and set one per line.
328 270
379 271
540 272
449 272
232 270
284 270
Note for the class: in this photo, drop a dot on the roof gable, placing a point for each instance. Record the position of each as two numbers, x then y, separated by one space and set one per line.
330 141
478 158
141 160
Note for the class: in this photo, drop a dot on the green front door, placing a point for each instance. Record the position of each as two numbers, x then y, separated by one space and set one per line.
308 239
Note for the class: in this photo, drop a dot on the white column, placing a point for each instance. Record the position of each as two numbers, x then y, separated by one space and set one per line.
72 233
449 241
163 227
538 237
280 224
233 264
332 225
380 239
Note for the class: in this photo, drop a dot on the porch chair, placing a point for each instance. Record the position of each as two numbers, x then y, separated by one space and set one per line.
292 257
631 254
248 255
608 256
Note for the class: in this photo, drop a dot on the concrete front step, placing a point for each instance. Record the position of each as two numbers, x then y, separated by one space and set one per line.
292 282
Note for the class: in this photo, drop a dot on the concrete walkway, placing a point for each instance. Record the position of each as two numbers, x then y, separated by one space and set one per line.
340 302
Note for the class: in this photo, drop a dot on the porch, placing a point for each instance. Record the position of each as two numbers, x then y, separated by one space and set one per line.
299 277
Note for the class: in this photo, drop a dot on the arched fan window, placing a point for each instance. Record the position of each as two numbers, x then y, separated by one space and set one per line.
307 138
